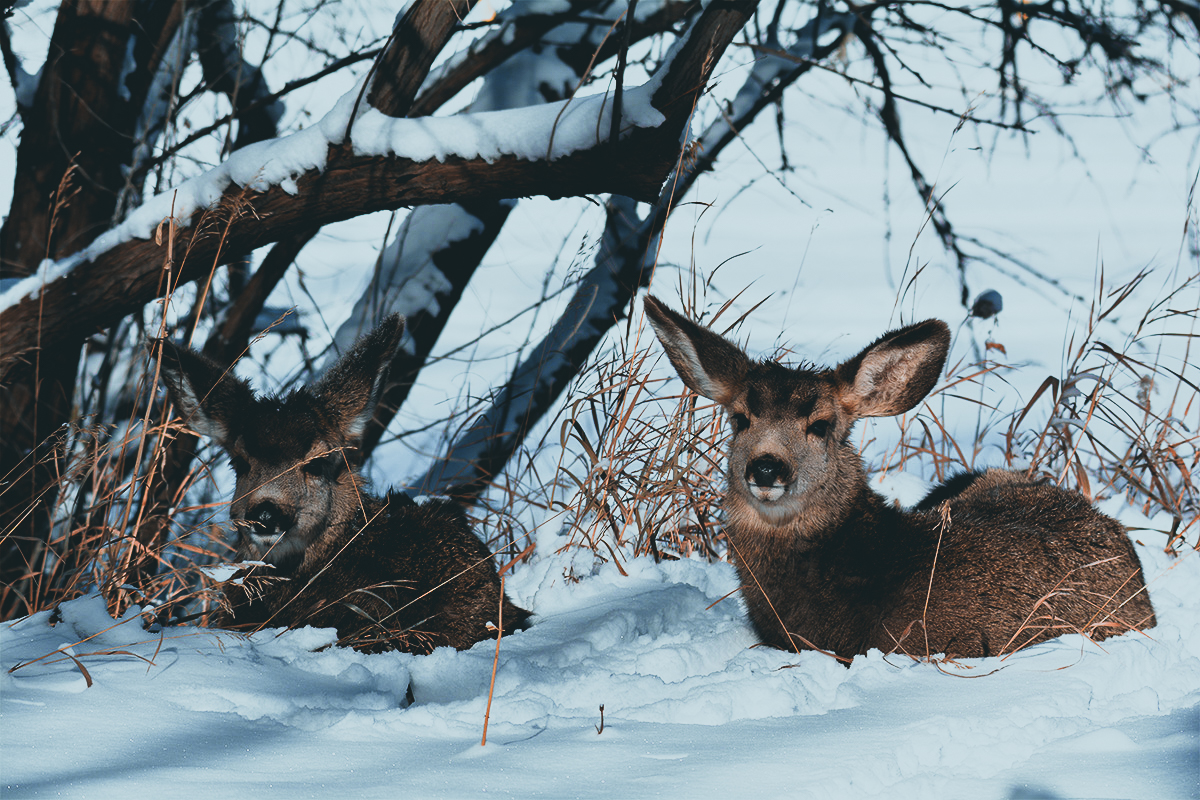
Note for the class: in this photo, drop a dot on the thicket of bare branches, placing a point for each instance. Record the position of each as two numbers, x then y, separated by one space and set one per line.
136 96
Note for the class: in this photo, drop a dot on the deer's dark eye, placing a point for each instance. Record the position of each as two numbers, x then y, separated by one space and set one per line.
327 467
739 421
240 465
819 428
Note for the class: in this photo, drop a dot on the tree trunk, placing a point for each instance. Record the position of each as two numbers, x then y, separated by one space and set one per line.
76 139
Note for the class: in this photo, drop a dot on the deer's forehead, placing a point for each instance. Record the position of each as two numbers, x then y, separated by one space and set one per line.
280 431
772 388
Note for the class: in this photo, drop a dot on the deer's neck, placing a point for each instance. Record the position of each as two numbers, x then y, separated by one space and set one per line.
847 519
823 576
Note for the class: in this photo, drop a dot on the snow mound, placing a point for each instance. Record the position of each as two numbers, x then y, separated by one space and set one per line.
691 708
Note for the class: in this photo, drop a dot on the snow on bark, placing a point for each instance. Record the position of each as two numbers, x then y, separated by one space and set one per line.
157 107
13 290
408 280
546 132
25 87
483 448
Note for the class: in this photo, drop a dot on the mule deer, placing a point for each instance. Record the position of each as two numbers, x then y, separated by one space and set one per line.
987 563
388 573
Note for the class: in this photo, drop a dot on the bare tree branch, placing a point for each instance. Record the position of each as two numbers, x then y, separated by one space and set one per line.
417 39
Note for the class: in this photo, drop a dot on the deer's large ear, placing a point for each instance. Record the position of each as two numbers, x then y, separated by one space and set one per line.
707 362
352 387
207 394
896 372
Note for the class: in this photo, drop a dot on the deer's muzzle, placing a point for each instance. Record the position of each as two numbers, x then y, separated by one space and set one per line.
271 522
768 478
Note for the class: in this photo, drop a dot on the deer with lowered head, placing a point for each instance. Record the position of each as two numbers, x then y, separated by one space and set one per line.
986 564
387 573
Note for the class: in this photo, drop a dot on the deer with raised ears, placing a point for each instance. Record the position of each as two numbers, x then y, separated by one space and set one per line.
387 573
988 563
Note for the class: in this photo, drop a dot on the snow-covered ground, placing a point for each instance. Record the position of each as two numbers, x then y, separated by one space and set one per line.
690 708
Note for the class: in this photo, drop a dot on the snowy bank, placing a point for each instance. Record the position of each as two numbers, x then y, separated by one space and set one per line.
691 709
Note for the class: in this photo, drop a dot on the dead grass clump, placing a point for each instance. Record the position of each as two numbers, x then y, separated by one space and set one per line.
117 529
1119 418
642 472
1120 412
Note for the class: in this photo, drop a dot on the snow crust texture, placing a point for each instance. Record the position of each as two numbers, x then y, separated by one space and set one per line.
691 708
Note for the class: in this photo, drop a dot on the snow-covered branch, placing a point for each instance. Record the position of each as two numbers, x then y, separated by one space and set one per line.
424 270
250 202
484 446
322 175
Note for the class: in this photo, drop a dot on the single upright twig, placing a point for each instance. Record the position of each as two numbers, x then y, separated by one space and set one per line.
495 661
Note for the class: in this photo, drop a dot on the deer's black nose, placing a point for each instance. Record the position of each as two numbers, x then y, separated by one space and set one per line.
767 471
271 519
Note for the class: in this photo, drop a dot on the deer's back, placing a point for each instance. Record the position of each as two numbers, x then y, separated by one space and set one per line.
1016 562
